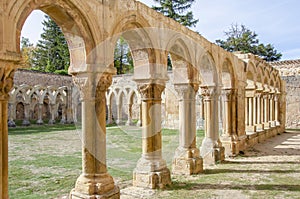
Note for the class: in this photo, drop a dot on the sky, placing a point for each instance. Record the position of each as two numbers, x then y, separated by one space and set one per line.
275 21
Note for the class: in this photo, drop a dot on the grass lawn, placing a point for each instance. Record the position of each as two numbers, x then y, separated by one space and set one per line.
45 161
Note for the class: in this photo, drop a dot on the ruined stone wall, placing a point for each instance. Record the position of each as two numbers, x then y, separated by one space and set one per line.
290 72
293 101
33 78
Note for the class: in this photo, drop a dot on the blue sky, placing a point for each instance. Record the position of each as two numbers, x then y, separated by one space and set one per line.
275 21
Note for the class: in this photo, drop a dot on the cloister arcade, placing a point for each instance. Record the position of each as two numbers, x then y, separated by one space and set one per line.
250 91
38 103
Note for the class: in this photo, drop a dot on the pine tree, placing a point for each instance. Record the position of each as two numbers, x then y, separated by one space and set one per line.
27 50
240 38
177 10
122 57
51 54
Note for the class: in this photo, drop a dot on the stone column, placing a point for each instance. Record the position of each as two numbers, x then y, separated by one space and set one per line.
11 110
119 113
227 121
63 114
187 159
212 150
276 101
129 111
259 109
271 106
40 114
266 110
6 79
26 121
52 114
95 181
151 170
250 111
139 123
70 119
109 114
229 138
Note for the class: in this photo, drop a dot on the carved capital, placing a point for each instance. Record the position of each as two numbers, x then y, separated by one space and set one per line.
151 90
92 86
208 93
227 94
85 86
186 91
104 82
7 81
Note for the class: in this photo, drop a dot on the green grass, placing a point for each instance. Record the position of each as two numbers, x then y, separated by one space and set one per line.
45 162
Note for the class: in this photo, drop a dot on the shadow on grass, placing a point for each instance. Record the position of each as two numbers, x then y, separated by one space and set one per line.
199 186
34 129
260 162
217 171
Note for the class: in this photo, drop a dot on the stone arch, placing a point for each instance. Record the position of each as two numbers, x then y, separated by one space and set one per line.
74 21
183 66
208 70
20 112
228 75
259 77
251 75
133 28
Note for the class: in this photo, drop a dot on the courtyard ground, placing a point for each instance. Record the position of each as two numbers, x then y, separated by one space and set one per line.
44 162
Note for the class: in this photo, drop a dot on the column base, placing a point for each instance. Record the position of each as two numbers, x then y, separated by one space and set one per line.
250 128
95 187
153 180
259 127
63 121
230 145
267 125
11 123
273 124
187 162
151 173
40 122
139 123
129 123
51 122
25 123
212 152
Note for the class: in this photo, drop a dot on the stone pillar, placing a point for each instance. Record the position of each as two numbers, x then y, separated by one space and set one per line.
250 111
6 79
187 159
229 137
129 111
259 111
11 110
26 121
276 101
109 114
212 150
63 114
119 113
52 114
151 170
139 123
95 181
70 119
40 114
271 103
266 110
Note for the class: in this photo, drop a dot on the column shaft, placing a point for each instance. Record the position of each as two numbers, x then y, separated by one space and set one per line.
211 148
94 182
151 170
187 159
